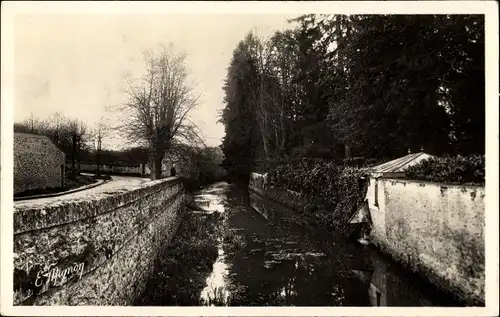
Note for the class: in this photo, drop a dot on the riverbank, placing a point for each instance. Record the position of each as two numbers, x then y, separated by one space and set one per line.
181 271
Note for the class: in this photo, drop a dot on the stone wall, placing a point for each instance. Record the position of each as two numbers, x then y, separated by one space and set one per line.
38 163
105 243
288 199
436 230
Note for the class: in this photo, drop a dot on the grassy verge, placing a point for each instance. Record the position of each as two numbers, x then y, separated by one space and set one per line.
181 269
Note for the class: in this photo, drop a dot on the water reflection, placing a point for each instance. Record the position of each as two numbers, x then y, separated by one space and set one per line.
216 293
210 202
269 261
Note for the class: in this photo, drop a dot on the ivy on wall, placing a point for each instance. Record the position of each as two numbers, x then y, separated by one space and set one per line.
334 191
450 170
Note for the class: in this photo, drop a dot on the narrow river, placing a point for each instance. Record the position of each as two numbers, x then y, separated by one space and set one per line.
277 263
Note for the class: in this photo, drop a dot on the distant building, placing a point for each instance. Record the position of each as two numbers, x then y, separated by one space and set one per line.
38 163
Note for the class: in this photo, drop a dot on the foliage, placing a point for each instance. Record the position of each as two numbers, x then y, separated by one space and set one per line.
451 170
398 91
210 166
240 141
60 130
182 266
373 85
334 191
99 131
202 166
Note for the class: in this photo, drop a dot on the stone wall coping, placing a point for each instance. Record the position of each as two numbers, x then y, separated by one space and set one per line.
460 186
59 212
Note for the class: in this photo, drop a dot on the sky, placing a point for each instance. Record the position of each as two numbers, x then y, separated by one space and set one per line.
76 64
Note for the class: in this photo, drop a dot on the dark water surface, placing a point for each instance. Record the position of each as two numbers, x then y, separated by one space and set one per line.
277 263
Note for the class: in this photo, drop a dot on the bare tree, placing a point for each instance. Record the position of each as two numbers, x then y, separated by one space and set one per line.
269 97
78 131
258 50
58 127
158 106
99 131
70 135
32 125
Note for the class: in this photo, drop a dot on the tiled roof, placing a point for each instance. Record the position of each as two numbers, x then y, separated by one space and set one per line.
400 164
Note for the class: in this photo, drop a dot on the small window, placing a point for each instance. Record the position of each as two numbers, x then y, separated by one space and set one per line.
376 193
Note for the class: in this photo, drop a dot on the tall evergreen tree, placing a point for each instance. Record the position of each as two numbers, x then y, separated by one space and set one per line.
241 140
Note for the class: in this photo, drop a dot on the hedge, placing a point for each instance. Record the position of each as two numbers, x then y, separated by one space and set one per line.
451 170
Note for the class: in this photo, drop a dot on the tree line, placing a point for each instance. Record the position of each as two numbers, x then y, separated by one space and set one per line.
372 86
72 136
81 142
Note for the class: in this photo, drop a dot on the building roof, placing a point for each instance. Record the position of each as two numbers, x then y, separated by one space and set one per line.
38 138
31 135
400 164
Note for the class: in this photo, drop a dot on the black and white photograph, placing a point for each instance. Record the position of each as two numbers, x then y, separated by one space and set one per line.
199 158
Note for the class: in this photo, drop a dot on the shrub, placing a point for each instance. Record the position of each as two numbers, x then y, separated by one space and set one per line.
451 170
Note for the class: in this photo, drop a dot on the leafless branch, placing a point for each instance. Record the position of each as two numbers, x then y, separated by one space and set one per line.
158 106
